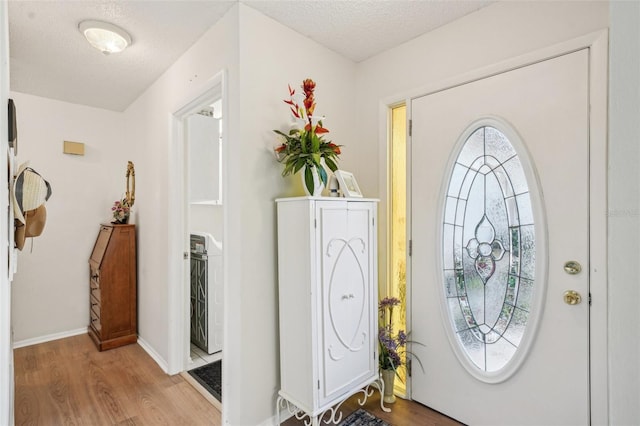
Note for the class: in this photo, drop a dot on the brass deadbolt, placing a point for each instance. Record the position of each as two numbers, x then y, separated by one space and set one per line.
572 297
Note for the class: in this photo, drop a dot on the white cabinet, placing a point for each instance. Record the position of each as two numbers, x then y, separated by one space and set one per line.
328 291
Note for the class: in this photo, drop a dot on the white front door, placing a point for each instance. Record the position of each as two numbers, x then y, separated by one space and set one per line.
500 204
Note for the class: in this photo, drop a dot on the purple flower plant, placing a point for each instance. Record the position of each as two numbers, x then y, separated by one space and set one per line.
391 345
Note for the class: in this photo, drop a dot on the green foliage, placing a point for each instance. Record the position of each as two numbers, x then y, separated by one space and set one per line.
306 146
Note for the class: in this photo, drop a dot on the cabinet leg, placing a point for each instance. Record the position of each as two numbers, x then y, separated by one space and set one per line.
278 402
380 385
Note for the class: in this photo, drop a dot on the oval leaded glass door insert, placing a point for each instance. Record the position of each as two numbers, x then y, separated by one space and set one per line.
488 251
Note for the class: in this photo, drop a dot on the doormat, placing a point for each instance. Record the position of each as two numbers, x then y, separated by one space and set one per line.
363 418
210 377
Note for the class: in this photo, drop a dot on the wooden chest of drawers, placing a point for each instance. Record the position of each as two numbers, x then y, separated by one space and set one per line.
112 287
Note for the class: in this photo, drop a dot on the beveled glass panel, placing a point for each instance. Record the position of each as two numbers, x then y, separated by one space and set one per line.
450 284
525 295
491 162
475 295
528 248
456 178
516 327
498 145
489 255
512 211
469 178
457 317
514 170
475 209
474 348
494 296
505 182
462 206
447 246
450 210
457 247
473 149
499 354
524 208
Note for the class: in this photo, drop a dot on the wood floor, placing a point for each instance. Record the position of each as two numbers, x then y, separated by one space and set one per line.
68 382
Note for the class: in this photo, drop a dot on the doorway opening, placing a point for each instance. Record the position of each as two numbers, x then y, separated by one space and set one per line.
397 275
203 137
196 301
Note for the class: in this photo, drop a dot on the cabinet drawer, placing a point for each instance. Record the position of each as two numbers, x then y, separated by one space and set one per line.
95 292
94 278
95 305
95 320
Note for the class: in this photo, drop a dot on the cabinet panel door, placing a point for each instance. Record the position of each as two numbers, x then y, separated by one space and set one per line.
346 287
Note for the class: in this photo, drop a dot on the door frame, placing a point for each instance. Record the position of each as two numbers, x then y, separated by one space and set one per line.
597 43
178 231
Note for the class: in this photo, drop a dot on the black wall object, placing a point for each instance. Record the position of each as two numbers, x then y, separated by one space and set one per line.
13 128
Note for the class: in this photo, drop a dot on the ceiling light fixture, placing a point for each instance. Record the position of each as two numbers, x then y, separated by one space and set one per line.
105 37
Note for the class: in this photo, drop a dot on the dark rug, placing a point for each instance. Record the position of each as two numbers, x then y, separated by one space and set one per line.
363 418
210 377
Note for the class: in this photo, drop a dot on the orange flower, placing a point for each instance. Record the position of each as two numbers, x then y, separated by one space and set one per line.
320 130
308 86
305 148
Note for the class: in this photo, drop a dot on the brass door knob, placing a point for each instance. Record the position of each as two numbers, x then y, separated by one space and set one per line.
572 297
572 267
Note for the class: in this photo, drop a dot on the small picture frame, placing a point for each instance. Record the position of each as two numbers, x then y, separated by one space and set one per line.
348 184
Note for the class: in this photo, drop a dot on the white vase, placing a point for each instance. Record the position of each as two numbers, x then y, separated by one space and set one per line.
318 185
388 378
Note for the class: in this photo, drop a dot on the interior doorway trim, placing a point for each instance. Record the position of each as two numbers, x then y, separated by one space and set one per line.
597 43
178 232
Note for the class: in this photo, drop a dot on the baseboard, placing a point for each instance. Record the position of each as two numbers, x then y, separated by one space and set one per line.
205 393
154 355
271 421
49 338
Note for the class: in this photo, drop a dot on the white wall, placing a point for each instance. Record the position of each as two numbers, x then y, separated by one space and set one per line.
271 57
159 192
50 293
253 182
148 130
624 213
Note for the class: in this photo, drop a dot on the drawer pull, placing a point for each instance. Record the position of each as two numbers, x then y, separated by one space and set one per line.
95 277
94 304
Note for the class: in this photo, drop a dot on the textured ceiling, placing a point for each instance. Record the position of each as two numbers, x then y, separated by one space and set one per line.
359 29
50 58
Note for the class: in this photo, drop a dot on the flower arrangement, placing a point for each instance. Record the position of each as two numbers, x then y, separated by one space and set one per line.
306 146
121 211
392 346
